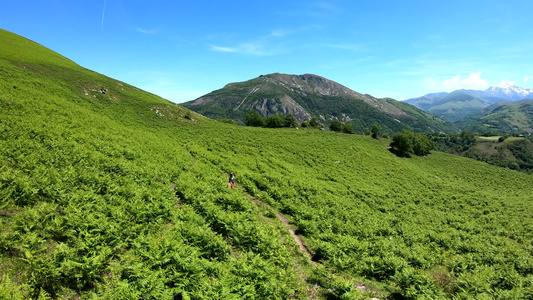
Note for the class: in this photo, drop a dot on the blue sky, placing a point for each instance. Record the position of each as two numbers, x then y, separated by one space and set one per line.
181 50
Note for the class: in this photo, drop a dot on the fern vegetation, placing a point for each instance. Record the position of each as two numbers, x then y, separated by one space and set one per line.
110 192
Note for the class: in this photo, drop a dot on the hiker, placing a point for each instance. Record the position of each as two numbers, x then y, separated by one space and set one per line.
231 182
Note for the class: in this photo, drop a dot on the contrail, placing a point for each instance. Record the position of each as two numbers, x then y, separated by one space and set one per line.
103 14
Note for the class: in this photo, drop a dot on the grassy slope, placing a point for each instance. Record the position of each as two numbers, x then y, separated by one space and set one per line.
504 119
122 195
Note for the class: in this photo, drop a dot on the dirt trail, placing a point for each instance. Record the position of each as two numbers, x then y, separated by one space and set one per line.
286 224
298 239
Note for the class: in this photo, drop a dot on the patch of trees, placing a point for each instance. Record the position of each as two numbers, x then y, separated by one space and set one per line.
407 143
519 157
338 126
289 121
275 121
454 143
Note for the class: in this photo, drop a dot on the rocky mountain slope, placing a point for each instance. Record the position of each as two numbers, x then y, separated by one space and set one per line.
310 95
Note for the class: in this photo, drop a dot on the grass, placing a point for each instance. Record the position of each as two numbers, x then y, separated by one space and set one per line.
124 195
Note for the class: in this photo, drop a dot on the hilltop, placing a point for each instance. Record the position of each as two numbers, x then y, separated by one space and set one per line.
110 192
310 95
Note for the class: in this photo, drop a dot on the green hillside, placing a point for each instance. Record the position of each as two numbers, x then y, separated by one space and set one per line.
110 192
504 118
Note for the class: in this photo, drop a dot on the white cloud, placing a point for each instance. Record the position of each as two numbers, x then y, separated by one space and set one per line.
263 46
473 81
144 31
250 48
275 42
350 47
223 49
527 78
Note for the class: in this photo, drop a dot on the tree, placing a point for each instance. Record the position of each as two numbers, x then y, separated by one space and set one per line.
376 131
254 119
336 125
422 145
290 121
468 139
313 122
348 128
403 143
305 124
275 121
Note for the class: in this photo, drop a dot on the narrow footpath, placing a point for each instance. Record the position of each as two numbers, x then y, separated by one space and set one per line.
297 238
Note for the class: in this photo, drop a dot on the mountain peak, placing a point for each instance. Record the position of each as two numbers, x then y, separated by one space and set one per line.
310 95
509 91
506 84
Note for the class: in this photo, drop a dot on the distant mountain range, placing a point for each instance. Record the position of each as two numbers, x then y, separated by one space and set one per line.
502 117
459 104
310 95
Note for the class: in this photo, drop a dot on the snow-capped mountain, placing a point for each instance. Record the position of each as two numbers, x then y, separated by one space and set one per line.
509 91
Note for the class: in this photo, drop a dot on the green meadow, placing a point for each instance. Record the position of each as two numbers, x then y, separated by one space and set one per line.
109 192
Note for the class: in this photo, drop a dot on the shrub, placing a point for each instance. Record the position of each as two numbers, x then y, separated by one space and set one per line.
254 119
227 121
422 145
336 125
348 128
275 121
314 122
376 131
290 121
403 143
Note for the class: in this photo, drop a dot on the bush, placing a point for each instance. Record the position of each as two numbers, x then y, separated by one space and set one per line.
403 143
290 121
348 128
336 125
422 145
502 138
314 122
254 119
376 131
227 121
275 121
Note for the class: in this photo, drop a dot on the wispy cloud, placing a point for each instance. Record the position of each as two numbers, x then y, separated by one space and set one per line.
145 31
223 49
324 10
255 48
267 45
275 42
350 47
103 15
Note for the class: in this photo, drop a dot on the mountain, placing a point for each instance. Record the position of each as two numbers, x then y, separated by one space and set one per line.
460 103
504 117
310 95
110 192
509 91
